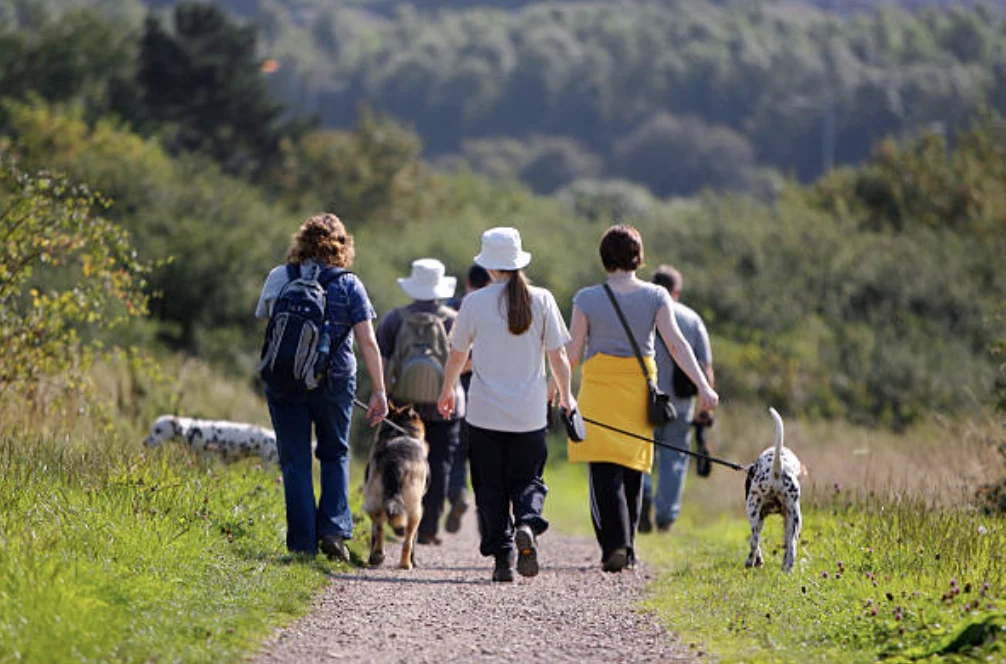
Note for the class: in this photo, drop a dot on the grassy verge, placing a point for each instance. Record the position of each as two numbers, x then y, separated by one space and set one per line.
874 580
113 552
110 556
881 574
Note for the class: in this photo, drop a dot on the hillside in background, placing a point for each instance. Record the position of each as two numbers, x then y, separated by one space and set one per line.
674 96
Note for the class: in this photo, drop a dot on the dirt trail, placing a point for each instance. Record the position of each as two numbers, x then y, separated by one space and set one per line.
448 610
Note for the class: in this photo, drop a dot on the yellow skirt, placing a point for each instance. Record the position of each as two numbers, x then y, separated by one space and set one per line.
613 391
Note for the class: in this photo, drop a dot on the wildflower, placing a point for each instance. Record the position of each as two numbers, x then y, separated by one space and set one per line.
824 574
890 596
967 587
982 530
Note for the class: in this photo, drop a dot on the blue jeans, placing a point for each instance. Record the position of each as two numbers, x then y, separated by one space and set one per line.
672 467
329 408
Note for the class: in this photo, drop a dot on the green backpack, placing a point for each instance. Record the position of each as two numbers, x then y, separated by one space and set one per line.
415 371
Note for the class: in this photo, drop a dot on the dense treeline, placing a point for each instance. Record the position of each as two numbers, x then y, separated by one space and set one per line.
675 95
875 293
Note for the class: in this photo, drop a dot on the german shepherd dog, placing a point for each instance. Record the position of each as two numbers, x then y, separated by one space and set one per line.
395 481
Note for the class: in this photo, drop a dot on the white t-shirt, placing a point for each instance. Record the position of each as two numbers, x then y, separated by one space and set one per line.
509 389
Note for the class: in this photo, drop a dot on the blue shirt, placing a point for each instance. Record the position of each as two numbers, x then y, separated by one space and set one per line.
348 304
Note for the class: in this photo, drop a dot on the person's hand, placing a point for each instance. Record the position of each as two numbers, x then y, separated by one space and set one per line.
377 410
553 390
708 399
445 404
570 405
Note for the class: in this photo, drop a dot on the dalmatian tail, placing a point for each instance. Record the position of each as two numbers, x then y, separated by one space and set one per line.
777 455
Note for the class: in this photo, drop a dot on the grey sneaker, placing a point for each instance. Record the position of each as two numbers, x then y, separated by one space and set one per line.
335 548
527 551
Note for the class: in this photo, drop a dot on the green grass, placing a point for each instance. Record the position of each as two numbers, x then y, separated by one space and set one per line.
899 557
111 554
874 580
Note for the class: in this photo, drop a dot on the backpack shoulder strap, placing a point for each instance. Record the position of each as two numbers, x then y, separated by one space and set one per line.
292 271
329 275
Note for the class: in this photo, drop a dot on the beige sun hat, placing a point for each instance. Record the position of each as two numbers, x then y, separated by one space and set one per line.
427 281
501 250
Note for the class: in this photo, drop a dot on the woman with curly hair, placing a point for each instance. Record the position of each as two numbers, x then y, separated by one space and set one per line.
323 250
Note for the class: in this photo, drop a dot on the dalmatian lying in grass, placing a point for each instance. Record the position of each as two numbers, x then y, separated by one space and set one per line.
231 440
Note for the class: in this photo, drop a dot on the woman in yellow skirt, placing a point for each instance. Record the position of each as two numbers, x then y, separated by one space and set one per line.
614 391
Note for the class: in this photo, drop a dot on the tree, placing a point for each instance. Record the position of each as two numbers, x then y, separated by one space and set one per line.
62 269
205 80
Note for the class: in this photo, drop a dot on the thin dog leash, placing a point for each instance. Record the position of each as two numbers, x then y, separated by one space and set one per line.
728 464
359 404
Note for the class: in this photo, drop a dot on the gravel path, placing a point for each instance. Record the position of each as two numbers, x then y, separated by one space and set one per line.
447 610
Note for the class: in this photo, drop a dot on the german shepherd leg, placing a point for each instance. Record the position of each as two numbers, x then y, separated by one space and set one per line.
376 538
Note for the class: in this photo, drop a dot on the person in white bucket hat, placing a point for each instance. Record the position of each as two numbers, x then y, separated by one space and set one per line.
510 328
414 345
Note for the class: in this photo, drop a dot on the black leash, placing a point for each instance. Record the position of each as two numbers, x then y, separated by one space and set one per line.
728 464
362 406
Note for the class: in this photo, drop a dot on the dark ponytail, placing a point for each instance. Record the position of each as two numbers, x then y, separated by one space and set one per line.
518 300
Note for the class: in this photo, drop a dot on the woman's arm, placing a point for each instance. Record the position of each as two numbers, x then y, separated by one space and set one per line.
365 337
682 353
455 363
578 330
561 374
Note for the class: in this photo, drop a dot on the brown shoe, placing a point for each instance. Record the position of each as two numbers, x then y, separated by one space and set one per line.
428 539
458 508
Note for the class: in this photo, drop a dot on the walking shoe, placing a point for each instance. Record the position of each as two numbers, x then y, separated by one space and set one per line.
429 539
527 551
645 524
616 560
335 548
504 569
458 508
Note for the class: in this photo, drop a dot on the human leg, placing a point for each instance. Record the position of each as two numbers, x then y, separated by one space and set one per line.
645 523
491 500
291 420
332 409
442 438
609 511
672 469
457 492
525 456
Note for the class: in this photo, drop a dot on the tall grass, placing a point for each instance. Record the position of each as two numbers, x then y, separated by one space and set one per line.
115 552
894 562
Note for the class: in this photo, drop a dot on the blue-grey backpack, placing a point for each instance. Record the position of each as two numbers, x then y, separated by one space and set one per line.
295 354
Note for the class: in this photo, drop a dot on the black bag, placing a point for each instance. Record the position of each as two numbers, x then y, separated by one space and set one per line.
683 386
659 408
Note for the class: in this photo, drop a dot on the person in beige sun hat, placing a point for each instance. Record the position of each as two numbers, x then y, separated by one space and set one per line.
414 344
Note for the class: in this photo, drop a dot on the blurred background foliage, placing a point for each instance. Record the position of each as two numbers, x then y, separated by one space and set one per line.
871 292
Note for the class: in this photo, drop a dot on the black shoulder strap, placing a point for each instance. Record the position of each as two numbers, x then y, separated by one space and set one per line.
628 332
292 271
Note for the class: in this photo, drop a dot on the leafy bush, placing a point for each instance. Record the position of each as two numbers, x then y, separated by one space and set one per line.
63 269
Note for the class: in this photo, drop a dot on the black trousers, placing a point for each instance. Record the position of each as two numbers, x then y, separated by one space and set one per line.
506 470
443 440
615 504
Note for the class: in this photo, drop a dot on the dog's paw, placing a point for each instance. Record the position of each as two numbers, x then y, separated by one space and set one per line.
405 564
754 561
376 559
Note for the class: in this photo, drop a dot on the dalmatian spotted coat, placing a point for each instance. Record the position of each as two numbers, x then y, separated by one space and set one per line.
232 440
773 487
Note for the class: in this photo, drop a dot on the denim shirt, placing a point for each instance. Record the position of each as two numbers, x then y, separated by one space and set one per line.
348 304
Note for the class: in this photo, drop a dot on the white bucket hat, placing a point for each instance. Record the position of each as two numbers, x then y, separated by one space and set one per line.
501 250
427 281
